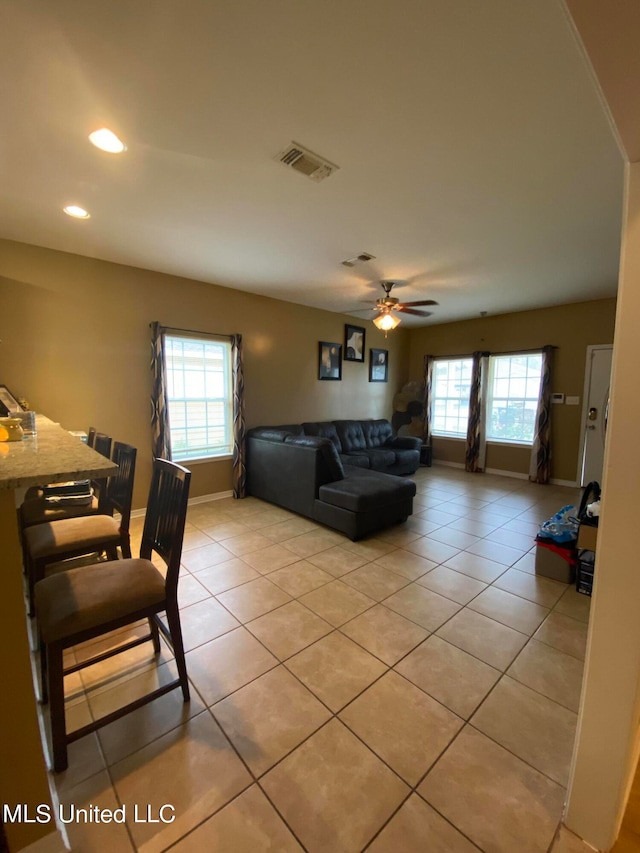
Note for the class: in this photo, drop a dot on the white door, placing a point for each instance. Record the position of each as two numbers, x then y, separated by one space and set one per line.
595 411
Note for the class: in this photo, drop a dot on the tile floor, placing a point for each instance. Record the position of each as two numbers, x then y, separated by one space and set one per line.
416 691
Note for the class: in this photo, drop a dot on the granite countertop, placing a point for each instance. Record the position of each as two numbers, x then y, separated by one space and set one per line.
51 456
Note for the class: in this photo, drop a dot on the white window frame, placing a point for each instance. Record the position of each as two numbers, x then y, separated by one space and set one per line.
434 430
208 449
491 397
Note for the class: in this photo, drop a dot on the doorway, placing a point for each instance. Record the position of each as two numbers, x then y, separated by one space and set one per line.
594 412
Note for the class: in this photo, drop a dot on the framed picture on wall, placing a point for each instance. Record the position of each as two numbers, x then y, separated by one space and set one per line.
8 402
329 360
353 343
378 365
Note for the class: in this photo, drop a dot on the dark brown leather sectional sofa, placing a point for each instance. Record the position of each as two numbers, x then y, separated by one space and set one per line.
310 473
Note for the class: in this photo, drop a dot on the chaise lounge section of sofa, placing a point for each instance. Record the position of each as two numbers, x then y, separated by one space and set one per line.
305 473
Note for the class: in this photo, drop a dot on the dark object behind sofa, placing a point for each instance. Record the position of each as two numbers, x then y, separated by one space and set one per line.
305 474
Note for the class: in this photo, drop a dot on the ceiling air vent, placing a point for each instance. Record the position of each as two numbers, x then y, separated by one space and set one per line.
302 160
359 259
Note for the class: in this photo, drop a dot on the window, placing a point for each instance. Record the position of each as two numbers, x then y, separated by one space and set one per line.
450 390
200 397
512 399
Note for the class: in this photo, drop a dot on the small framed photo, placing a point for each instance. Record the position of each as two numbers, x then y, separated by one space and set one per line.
353 343
8 402
378 365
329 360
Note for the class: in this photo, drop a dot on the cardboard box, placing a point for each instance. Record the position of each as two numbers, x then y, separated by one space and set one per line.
554 566
587 537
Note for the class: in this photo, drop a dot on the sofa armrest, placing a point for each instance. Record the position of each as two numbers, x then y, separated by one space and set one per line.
404 442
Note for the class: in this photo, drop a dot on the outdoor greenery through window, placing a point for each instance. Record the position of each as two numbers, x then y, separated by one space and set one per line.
513 390
451 386
200 397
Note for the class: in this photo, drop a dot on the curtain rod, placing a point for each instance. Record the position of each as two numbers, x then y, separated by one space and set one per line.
498 352
191 331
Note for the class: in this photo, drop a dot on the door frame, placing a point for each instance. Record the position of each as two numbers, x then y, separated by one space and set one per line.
585 402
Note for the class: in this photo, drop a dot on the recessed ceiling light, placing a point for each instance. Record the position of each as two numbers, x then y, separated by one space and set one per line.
76 211
106 140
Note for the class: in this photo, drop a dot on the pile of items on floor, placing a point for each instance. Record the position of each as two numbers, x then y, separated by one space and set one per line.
566 543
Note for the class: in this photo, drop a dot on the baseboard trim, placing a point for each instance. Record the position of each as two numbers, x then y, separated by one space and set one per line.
201 499
446 464
502 473
573 484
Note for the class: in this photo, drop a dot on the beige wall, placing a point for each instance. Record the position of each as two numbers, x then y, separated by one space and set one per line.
75 343
571 328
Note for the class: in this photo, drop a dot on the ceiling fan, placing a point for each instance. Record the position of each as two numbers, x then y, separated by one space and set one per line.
387 305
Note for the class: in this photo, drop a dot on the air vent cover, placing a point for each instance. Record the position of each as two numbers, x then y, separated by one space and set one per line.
302 160
359 259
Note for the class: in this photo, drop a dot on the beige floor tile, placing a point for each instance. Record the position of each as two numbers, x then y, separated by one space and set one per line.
534 728
574 604
300 577
567 842
193 768
144 725
484 638
475 566
521 541
551 672
288 529
509 609
453 585
564 633
417 828
494 798
384 633
245 543
375 581
205 621
269 559
405 563
194 539
527 563
336 602
225 530
269 717
476 528
313 542
371 549
289 629
521 526
249 824
401 535
453 677
190 591
253 599
422 606
401 724
450 536
337 561
537 589
227 575
265 518
438 516
335 669
94 837
227 663
435 552
333 791
106 674
209 555
495 551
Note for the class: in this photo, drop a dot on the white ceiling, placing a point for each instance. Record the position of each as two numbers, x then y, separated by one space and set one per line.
476 159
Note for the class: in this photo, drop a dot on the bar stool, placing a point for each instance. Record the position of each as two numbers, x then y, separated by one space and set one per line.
87 602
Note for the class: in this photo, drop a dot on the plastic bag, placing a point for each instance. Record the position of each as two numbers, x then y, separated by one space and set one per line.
561 527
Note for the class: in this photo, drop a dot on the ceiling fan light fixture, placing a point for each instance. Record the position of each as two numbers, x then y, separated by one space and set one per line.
106 140
386 321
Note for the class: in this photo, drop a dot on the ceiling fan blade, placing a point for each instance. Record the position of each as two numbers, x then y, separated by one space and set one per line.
421 302
406 310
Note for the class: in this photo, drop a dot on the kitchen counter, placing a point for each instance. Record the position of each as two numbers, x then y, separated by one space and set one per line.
53 455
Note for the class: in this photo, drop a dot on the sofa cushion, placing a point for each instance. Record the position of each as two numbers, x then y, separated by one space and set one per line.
324 429
356 459
293 429
325 447
351 436
269 433
380 458
376 433
363 491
